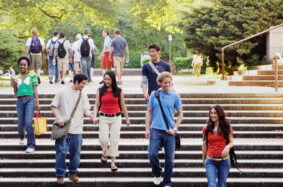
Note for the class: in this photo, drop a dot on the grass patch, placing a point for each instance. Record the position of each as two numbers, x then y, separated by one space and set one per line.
4 85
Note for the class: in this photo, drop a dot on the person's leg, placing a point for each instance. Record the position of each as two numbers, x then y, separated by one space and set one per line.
70 72
32 60
62 149
223 172
169 147
21 118
75 145
88 59
117 67
153 147
38 64
56 71
84 65
29 113
65 69
60 68
211 172
115 129
104 134
51 69
122 62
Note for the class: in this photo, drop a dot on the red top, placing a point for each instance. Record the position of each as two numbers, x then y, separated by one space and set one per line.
109 103
216 143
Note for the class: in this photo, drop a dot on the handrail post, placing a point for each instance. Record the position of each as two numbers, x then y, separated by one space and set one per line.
276 74
222 63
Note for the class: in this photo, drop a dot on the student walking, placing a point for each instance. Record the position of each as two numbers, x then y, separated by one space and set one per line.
63 49
119 47
52 63
77 55
159 132
35 49
106 60
149 74
25 88
110 101
62 106
217 141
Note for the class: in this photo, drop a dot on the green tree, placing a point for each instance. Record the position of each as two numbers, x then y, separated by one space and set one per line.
208 29
10 48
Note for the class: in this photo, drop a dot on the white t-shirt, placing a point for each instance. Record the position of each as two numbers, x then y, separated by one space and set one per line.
90 41
49 41
28 43
107 43
65 101
77 54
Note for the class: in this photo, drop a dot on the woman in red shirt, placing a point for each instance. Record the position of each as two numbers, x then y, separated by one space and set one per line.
217 141
109 99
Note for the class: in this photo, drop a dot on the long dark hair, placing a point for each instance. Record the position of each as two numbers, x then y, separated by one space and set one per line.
112 76
224 124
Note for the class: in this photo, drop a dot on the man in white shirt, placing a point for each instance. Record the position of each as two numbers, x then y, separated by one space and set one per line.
62 106
35 48
52 65
85 47
77 54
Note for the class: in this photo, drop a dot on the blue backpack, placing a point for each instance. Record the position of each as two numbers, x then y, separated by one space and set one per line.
51 47
35 46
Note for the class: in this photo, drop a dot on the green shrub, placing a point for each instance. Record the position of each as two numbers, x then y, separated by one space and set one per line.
146 60
183 63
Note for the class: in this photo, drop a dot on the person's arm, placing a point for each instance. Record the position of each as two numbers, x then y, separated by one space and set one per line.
15 86
102 52
60 120
178 122
110 53
204 150
147 122
96 106
124 108
27 50
37 106
227 148
144 84
145 93
127 52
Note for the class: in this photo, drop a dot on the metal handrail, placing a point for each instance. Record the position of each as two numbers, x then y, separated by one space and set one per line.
277 56
243 40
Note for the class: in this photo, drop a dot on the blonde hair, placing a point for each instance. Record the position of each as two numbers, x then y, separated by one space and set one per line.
162 76
34 32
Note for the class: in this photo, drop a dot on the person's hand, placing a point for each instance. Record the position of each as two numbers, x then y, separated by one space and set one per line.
147 134
94 120
225 151
203 162
60 121
91 117
128 122
37 107
146 97
171 131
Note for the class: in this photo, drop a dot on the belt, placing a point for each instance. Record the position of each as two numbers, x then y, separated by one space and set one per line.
25 96
110 115
217 159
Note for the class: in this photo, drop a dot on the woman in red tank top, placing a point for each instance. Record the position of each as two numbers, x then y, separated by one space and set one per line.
110 101
215 148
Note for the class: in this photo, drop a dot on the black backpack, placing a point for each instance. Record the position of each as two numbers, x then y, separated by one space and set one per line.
61 50
35 46
102 90
85 48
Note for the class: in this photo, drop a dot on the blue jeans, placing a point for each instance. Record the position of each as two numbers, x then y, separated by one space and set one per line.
156 137
86 63
53 69
217 170
25 110
72 144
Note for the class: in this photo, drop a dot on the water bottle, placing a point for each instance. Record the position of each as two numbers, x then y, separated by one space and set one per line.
127 62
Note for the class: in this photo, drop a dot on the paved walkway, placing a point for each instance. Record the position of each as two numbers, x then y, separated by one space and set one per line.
182 84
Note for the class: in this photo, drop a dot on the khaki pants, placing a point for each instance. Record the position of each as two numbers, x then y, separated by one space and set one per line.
63 64
78 67
119 62
110 125
36 61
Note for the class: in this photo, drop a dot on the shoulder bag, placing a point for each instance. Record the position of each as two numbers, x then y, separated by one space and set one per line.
59 131
177 137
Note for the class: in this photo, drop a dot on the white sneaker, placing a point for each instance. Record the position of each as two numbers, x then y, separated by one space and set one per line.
157 180
30 150
21 142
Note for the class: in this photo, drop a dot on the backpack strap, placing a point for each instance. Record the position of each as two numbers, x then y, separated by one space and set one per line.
154 68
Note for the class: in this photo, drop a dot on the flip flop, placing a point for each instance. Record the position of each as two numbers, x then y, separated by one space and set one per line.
103 159
114 168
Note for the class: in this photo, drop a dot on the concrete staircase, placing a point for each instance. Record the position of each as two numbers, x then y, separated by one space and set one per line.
257 76
257 120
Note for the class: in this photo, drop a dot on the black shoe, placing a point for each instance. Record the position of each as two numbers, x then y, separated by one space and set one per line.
114 168
62 82
51 82
101 82
38 80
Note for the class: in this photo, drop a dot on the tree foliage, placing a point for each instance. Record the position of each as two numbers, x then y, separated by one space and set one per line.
208 29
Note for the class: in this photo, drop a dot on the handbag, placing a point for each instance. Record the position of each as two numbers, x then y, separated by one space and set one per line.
40 124
233 157
61 131
177 137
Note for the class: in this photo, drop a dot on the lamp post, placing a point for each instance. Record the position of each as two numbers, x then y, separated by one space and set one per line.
170 41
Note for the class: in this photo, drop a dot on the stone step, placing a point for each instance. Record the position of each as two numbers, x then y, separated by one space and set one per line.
12 101
137 182
265 67
183 127
140 172
185 107
262 77
255 83
258 72
136 154
136 163
140 134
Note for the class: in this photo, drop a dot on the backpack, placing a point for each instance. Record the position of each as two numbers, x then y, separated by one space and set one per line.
35 46
51 47
101 93
85 48
61 50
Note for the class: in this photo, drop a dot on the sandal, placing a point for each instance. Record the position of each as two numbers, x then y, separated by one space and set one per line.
114 168
103 159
